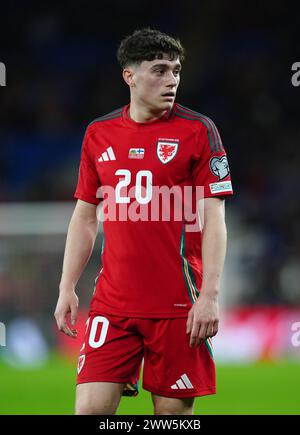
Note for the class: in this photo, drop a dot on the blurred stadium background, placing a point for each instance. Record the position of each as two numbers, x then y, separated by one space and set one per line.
61 74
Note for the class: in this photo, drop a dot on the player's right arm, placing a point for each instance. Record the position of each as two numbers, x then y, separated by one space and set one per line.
82 232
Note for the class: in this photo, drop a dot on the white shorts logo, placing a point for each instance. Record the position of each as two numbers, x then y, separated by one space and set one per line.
183 383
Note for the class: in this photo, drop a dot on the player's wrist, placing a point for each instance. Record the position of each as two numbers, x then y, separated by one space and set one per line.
66 287
210 292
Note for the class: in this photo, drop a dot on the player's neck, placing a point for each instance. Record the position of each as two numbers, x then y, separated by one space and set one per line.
142 113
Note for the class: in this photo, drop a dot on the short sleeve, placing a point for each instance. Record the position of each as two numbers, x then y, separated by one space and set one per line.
211 168
88 179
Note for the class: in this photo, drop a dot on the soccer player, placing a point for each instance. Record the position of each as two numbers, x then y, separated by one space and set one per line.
155 298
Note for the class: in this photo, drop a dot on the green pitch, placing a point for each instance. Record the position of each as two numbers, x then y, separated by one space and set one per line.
264 388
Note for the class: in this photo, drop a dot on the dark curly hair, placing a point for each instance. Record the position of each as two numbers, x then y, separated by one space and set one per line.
148 44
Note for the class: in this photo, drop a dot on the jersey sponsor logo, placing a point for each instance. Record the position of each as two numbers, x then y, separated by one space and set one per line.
107 155
219 167
81 361
183 383
136 153
166 150
224 186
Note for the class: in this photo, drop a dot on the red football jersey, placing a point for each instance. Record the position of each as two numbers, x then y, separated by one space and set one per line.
151 252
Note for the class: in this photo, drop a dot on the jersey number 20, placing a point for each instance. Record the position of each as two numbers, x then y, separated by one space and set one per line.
143 195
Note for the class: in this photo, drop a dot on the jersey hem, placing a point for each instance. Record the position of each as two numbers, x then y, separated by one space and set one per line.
180 394
167 315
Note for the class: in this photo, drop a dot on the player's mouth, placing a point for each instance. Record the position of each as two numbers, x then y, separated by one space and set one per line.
169 95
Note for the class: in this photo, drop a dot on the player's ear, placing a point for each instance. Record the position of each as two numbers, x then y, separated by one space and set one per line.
128 76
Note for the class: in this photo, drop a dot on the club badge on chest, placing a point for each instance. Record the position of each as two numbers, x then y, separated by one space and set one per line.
166 150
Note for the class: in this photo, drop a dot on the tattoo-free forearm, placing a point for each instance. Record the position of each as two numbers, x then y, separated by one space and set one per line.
79 246
214 240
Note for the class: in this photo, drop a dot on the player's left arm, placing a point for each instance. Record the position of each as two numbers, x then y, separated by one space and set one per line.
211 171
203 318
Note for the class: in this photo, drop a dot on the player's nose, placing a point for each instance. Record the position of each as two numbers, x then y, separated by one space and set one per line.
172 80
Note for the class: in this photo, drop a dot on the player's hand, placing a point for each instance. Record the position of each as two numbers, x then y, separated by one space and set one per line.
203 319
67 303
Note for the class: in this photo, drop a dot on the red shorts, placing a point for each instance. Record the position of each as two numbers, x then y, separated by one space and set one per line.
115 347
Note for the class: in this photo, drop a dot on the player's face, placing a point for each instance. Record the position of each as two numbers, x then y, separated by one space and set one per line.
156 83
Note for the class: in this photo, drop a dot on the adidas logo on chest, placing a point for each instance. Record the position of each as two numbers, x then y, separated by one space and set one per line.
107 155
